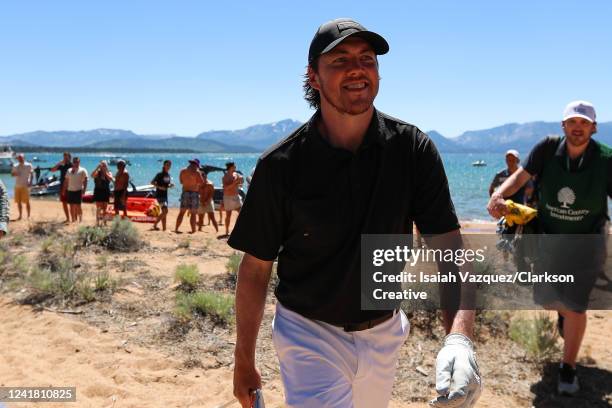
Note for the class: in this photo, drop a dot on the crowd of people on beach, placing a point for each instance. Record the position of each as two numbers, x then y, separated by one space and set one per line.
197 197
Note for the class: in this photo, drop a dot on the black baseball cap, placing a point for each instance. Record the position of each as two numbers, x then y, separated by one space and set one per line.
334 32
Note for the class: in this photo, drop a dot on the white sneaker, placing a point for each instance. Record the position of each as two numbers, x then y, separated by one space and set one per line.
568 380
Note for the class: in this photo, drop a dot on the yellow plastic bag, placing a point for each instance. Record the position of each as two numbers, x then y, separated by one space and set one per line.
519 214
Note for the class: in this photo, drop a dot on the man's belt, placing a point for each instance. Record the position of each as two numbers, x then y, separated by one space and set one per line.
368 324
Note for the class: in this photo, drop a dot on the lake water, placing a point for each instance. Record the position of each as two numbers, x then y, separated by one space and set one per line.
469 185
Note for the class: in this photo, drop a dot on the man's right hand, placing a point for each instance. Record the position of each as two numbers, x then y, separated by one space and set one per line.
246 379
497 206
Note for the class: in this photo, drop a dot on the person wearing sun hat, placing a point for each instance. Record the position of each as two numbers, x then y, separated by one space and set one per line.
332 352
574 174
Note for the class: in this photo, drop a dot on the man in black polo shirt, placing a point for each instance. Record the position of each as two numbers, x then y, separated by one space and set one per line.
380 175
575 180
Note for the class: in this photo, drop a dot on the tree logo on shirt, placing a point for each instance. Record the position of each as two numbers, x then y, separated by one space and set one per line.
566 196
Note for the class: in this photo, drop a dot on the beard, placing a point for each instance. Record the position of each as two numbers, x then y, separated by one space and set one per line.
578 139
344 105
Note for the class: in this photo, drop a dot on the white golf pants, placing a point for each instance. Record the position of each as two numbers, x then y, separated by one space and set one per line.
324 366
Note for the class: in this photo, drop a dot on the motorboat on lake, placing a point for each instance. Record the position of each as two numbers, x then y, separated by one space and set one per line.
7 159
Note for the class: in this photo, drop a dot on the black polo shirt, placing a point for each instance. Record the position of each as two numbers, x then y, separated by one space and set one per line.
309 203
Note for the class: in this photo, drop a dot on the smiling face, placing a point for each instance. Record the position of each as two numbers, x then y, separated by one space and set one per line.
347 77
578 131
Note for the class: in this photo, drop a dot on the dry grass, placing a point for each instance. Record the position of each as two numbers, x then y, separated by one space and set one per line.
538 336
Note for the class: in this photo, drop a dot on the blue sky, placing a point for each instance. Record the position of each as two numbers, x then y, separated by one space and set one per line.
184 67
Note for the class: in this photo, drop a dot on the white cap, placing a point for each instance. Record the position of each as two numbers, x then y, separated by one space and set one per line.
514 153
579 109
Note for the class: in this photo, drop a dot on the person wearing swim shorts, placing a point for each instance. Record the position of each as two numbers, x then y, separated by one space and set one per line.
232 181
191 179
207 190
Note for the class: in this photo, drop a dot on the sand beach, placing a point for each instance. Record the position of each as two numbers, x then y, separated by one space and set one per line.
125 349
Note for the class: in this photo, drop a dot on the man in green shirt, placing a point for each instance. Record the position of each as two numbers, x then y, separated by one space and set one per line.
574 176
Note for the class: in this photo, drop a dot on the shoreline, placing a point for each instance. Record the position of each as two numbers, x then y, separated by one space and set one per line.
467 225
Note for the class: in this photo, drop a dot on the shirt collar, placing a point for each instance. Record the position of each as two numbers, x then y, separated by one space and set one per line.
377 133
562 149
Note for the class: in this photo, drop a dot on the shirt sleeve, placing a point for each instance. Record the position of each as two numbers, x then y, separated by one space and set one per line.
535 161
434 212
4 209
261 221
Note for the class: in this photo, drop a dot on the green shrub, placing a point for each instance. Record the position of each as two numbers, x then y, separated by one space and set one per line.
67 284
57 254
219 307
84 291
182 309
123 236
188 276
233 263
537 336
103 281
41 280
88 236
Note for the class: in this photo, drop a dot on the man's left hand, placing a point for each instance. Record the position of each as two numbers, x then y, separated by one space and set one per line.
458 380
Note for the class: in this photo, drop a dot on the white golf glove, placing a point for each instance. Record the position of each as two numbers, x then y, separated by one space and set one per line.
457 377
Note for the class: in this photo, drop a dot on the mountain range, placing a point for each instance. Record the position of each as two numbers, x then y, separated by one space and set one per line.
258 137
